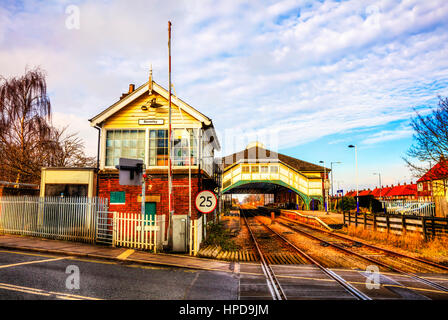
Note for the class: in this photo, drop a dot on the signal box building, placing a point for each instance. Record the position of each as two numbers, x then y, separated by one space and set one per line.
136 127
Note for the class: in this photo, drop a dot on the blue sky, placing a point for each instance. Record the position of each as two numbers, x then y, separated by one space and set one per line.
305 77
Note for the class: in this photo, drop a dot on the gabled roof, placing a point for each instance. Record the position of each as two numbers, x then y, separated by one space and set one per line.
262 155
144 88
376 192
365 192
386 191
439 171
403 190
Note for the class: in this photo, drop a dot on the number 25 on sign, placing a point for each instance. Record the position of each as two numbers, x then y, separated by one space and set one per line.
206 201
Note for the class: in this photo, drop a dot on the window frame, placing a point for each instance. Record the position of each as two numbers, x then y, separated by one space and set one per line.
106 130
146 160
114 203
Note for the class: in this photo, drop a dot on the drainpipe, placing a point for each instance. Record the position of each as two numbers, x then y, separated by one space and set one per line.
98 161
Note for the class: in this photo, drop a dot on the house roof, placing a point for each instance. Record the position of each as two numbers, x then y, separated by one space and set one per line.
261 155
439 171
403 190
365 192
377 192
144 88
351 193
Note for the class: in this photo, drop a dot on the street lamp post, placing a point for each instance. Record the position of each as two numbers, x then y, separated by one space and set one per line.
381 187
331 166
357 189
381 190
325 189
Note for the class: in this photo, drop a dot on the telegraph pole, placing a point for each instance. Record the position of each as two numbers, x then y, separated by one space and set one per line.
170 187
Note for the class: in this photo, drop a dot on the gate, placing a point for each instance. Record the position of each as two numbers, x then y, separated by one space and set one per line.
104 227
134 231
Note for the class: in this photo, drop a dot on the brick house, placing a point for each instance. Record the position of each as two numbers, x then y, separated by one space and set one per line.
433 185
136 126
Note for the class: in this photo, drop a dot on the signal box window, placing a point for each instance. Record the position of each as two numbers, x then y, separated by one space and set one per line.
124 144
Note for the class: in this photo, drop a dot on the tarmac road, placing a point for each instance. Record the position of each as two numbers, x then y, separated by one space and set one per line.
34 276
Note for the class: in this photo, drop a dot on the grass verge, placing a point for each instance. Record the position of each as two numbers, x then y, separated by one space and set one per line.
413 242
219 235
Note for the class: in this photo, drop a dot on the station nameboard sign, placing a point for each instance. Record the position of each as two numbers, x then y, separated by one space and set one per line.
150 121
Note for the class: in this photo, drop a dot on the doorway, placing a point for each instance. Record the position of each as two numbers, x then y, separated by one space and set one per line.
150 211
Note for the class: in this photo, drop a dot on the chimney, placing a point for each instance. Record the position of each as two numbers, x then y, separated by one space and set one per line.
131 88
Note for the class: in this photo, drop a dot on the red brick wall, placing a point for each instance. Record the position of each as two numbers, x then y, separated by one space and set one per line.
156 185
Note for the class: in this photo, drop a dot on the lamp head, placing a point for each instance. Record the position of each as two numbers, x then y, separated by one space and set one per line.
351 146
144 108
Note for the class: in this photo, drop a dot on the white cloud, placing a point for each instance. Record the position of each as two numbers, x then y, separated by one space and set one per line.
388 135
308 68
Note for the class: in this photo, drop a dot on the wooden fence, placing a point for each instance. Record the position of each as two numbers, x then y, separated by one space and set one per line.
429 227
134 231
68 218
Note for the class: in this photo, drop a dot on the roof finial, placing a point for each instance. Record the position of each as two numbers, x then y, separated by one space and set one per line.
150 81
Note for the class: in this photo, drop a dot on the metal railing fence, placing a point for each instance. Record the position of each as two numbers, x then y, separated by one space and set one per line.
410 207
67 218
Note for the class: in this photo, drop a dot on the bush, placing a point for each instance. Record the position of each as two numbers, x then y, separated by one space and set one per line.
347 204
218 235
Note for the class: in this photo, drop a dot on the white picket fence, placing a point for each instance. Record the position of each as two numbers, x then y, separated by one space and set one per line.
134 231
68 218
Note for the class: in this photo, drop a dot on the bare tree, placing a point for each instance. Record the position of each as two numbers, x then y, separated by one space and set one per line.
28 140
67 150
24 123
431 140
431 150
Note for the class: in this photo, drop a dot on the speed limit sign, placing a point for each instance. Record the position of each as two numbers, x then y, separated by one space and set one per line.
206 201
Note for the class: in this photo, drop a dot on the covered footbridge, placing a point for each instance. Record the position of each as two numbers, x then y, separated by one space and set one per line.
261 171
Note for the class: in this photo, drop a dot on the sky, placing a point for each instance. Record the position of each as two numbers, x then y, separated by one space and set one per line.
307 78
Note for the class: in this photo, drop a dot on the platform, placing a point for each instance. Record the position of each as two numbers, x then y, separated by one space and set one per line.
333 220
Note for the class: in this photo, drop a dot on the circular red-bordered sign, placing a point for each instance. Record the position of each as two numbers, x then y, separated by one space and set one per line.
206 201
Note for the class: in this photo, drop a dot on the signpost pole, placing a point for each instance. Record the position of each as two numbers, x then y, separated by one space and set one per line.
142 225
170 210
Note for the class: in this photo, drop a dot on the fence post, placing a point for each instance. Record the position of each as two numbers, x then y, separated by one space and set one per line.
356 219
365 220
403 224
425 236
343 217
114 229
374 222
387 223
433 227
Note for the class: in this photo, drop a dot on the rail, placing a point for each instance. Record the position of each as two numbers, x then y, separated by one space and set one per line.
332 244
352 290
272 281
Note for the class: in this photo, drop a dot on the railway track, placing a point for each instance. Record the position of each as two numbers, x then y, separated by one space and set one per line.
272 280
388 259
